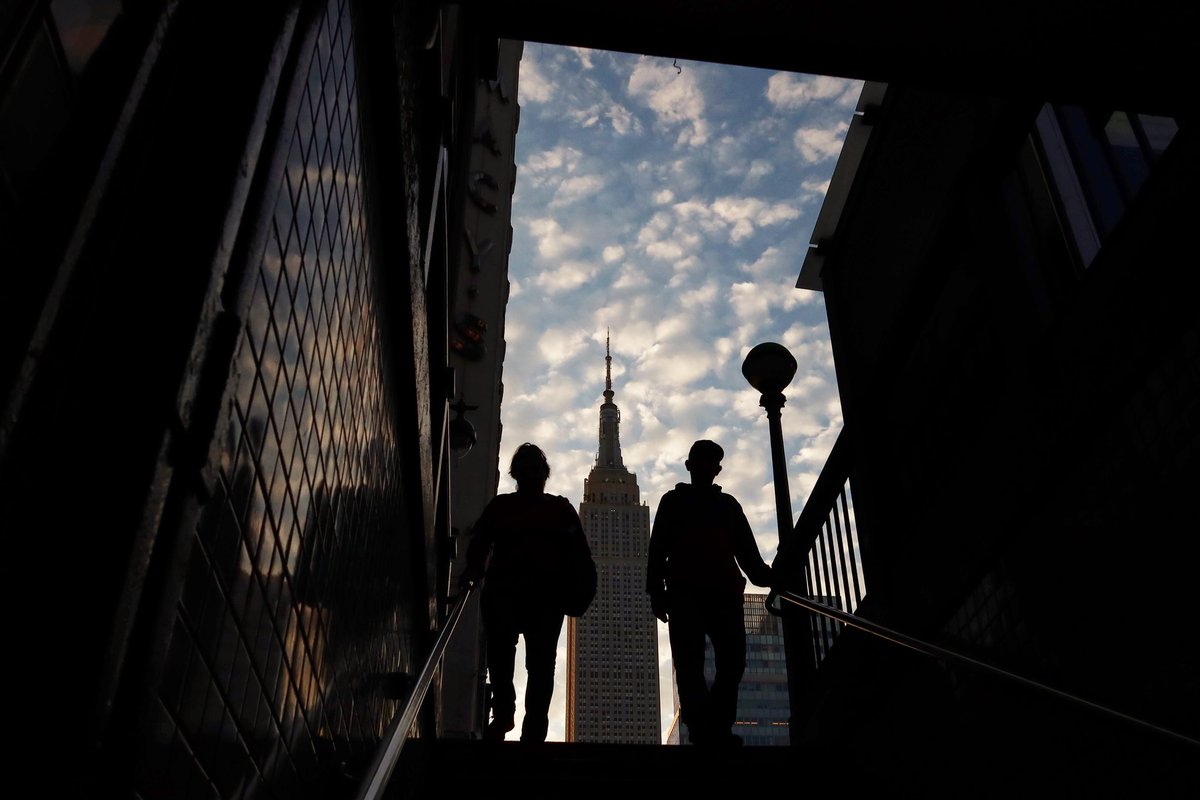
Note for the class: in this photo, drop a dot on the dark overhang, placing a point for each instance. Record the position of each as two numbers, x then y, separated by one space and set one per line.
1136 56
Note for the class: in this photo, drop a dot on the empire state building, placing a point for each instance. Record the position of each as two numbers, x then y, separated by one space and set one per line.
612 650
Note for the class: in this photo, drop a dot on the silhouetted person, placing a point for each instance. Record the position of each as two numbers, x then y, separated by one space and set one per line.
518 548
699 539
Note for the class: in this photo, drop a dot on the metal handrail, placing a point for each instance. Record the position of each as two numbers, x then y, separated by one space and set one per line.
378 774
883 632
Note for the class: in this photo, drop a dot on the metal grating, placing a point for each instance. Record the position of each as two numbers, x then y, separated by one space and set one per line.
295 600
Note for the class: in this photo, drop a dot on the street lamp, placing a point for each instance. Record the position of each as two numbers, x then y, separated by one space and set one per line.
769 367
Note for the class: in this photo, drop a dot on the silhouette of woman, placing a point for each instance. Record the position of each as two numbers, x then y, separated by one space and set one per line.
518 548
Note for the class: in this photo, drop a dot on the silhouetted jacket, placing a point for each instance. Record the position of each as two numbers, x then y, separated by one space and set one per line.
700 538
521 542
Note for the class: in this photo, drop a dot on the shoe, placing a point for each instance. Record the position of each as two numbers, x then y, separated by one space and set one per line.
533 733
497 728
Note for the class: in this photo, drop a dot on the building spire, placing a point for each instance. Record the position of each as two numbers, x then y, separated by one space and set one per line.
609 453
608 390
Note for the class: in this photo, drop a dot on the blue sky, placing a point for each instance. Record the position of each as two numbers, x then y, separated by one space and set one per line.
670 203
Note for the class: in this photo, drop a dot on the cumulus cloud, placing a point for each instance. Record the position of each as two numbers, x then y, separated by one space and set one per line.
699 298
749 302
585 117
820 188
614 252
676 365
557 346
768 264
664 250
622 119
552 241
661 239
759 168
549 167
631 277
533 86
576 187
565 277
584 55
737 217
820 144
789 91
675 98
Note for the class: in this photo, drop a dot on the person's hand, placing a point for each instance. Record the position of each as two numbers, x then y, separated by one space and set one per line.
658 604
469 578
773 578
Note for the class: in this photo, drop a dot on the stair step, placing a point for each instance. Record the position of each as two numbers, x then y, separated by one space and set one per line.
454 768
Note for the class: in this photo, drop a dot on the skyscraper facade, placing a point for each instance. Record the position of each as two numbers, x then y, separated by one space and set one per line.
763 707
612 650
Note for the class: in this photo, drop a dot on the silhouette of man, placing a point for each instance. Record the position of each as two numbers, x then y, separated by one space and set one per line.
518 548
699 539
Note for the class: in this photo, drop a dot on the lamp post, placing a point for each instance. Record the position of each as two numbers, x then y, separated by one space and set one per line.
769 367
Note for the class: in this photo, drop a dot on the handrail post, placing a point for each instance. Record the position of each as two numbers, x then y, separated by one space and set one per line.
375 781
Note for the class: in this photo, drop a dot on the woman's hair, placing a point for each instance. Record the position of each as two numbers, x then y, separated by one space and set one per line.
529 464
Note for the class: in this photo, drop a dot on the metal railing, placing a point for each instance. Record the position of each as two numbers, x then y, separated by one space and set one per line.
834 570
375 781
824 547
776 599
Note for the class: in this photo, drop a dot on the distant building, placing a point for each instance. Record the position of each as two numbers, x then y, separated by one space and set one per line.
763 708
612 650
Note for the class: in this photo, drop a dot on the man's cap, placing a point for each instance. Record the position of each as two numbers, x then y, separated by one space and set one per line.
706 449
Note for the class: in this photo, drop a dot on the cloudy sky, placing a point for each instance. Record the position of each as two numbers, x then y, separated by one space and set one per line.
671 203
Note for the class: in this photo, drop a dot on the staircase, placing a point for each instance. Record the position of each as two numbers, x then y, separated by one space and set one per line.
918 768
462 768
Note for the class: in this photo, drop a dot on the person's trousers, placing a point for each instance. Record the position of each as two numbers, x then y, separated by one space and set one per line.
505 617
709 712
